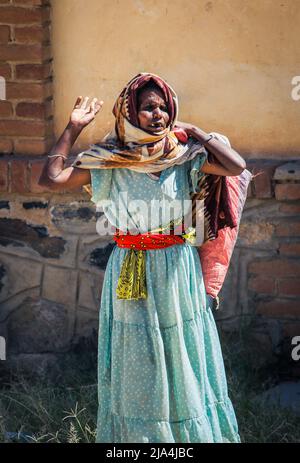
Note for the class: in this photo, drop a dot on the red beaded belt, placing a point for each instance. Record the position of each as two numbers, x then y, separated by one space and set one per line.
144 241
132 279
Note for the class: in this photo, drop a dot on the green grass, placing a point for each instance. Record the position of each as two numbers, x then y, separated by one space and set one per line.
59 410
258 421
64 409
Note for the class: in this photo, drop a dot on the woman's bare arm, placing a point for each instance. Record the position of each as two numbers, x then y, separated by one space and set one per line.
54 176
70 177
226 160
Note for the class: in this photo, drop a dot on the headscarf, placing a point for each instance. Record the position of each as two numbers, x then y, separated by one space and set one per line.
128 146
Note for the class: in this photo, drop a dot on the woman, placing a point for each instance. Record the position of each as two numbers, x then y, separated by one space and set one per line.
160 368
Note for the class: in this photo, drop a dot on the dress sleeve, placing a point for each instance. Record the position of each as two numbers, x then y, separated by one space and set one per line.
194 171
101 180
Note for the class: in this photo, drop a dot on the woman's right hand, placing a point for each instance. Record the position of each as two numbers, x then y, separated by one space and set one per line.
84 113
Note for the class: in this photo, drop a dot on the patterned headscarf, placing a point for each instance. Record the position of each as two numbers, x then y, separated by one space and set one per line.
126 106
129 146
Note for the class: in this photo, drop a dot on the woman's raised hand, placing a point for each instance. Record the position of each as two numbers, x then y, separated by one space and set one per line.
84 113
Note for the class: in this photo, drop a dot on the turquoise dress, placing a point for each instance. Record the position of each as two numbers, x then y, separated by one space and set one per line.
161 374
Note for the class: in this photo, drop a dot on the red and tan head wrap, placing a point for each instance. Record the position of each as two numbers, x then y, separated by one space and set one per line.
126 105
128 145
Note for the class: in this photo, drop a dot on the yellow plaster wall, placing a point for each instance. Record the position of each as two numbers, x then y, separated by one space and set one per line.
230 61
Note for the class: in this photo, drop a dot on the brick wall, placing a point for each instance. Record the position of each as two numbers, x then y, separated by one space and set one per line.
262 287
26 64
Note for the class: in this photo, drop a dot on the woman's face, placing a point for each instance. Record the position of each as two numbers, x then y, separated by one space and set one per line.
152 110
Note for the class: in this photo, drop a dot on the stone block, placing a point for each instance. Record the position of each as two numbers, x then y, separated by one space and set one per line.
94 253
15 301
67 258
287 177
90 286
38 326
288 171
18 275
74 217
256 234
60 285
18 233
86 324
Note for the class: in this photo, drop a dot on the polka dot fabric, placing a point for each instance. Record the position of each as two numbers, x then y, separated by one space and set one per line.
161 374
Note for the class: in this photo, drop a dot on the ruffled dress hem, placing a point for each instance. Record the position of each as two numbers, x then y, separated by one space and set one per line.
114 428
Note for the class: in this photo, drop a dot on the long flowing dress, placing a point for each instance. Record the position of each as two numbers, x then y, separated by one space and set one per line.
161 374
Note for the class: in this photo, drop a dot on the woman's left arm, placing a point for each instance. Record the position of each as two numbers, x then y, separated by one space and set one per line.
226 160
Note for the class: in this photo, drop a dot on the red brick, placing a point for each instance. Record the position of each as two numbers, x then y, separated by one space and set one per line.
5 70
33 71
19 176
289 249
19 128
3 175
6 108
250 193
2 88
33 34
28 91
288 229
31 110
33 147
291 329
290 208
276 267
27 53
289 287
49 108
262 285
4 33
31 2
263 182
6 146
35 173
287 191
19 15
279 308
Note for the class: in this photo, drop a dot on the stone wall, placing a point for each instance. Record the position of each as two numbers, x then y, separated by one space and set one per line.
52 264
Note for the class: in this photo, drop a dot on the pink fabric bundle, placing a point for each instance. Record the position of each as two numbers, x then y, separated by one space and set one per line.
215 254
224 203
